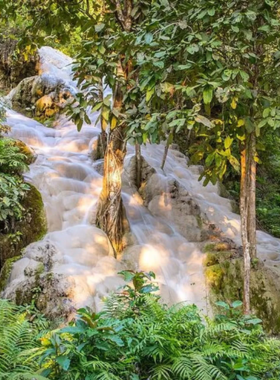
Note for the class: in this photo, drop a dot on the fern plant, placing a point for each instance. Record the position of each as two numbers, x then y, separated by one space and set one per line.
17 336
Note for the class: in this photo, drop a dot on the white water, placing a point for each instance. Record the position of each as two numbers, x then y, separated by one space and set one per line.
70 186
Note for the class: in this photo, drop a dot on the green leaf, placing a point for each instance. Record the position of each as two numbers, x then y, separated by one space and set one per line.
236 304
148 38
194 48
266 112
203 120
234 162
262 123
210 158
222 304
149 94
254 321
99 27
128 275
228 141
208 95
116 339
64 362
244 75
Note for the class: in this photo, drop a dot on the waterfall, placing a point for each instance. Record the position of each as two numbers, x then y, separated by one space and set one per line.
164 239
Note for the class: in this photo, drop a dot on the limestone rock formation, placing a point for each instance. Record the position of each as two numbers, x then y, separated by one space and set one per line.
32 279
42 95
169 200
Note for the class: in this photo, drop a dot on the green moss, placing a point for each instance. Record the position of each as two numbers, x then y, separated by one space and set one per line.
32 227
6 271
209 247
215 257
224 274
199 221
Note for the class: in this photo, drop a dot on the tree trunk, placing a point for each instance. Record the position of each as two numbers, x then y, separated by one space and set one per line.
138 163
252 197
244 228
110 214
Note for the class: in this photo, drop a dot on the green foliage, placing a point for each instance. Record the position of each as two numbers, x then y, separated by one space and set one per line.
18 335
12 191
268 186
12 161
212 68
12 187
136 337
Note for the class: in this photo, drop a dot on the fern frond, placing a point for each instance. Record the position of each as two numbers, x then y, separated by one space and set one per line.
162 372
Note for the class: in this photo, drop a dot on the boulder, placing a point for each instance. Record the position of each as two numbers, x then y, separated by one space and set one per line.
41 96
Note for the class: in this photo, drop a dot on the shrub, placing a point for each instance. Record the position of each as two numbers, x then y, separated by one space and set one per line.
12 191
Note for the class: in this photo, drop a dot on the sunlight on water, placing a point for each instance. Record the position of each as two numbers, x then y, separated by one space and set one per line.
70 187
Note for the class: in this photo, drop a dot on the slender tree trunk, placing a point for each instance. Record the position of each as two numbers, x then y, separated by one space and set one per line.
138 162
244 228
168 142
252 197
189 137
102 138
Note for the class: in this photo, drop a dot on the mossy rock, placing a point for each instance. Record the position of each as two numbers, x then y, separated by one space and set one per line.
224 275
31 228
6 271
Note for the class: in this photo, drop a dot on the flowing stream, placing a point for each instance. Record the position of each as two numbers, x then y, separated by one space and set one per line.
70 183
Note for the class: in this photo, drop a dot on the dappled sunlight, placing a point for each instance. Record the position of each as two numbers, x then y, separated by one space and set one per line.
135 200
153 258
164 202
74 146
70 184
85 204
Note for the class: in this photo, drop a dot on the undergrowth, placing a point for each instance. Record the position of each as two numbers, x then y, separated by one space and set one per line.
137 337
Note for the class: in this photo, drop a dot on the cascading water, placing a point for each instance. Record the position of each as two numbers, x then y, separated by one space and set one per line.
70 185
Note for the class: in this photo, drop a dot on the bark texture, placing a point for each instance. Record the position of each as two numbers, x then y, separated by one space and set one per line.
248 212
110 215
138 163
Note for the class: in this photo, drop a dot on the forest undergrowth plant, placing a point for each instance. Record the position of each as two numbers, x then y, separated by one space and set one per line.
137 337
12 187
19 331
